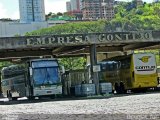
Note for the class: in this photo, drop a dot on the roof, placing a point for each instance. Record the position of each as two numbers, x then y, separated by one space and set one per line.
67 45
61 18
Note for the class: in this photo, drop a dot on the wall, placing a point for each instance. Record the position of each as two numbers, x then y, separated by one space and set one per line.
10 29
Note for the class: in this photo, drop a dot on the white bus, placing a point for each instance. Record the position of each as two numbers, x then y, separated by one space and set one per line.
37 78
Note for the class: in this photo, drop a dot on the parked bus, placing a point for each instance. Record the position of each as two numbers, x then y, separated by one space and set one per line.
37 78
133 72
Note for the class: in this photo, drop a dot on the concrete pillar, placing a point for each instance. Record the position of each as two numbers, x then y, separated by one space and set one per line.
93 61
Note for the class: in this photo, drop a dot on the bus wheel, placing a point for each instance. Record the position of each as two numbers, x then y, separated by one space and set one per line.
14 98
136 91
30 98
7 94
52 96
122 89
116 87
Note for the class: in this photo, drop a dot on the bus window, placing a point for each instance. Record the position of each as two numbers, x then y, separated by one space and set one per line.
109 65
5 83
125 64
19 81
112 66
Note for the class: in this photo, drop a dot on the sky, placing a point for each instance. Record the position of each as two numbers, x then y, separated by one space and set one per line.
10 8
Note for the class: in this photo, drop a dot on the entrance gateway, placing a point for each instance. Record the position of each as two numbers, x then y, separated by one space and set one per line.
97 38
64 45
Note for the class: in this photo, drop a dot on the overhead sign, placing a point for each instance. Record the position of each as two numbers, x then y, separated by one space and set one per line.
91 38
79 39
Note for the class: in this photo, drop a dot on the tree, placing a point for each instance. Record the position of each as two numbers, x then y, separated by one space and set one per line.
59 14
128 17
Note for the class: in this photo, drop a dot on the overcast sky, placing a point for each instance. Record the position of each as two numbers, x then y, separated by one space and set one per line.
10 8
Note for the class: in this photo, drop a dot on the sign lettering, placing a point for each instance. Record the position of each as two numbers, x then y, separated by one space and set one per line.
96 38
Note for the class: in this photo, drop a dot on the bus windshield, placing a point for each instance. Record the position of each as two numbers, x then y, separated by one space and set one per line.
45 76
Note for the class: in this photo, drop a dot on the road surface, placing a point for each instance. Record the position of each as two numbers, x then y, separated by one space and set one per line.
132 106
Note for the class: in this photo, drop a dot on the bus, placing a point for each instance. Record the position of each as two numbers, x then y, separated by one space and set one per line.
36 78
136 72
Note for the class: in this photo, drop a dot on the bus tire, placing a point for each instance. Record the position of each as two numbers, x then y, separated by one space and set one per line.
14 98
116 87
53 96
30 98
7 94
136 90
122 88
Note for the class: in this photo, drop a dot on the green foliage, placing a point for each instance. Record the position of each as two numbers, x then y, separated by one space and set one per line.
73 28
144 17
128 17
4 64
73 63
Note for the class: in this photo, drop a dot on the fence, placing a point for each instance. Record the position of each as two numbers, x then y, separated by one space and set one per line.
74 77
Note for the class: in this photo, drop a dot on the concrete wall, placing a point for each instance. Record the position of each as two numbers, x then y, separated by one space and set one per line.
10 29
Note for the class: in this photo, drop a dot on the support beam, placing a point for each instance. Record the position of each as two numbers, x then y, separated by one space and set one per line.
93 61
70 55
59 49
138 46
66 50
25 53
86 50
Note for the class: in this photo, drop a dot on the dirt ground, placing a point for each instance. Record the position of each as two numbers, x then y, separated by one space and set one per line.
133 106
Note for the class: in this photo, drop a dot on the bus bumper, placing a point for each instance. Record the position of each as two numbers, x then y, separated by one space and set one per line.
43 92
15 94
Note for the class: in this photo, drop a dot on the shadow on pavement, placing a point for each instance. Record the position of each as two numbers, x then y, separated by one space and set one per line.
107 96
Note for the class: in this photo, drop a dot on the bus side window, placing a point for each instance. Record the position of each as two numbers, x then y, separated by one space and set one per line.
5 83
20 81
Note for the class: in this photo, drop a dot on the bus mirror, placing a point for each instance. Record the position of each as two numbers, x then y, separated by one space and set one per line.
62 69
30 71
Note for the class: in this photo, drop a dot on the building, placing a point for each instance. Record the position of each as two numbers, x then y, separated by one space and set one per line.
139 2
98 9
73 8
31 11
75 5
68 6
119 2
10 29
156 1
14 28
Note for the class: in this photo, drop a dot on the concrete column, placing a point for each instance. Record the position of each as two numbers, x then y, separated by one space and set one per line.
93 61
